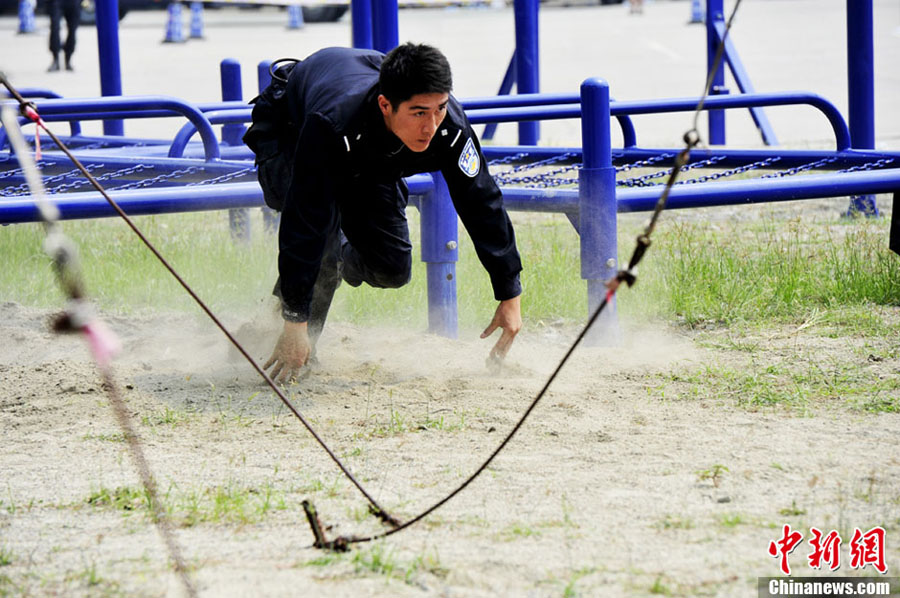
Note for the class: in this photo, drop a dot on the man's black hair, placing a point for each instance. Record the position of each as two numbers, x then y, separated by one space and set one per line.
411 69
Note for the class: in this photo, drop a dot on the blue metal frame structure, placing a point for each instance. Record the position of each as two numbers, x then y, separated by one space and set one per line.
592 207
715 35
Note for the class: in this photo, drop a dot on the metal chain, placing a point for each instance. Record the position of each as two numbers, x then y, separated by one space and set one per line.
166 176
223 178
508 159
868 165
542 180
19 171
803 168
641 163
105 177
737 170
23 188
644 180
539 180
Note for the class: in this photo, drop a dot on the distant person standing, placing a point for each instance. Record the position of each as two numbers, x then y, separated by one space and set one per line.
71 10
636 6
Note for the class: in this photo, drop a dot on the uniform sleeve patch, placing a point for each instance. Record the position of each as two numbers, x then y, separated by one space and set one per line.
468 159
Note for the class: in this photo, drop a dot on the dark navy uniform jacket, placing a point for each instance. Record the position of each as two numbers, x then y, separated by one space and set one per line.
344 144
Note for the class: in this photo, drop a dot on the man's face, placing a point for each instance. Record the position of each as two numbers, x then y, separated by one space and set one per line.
417 119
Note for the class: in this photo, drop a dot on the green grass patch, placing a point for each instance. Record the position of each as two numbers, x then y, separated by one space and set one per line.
826 274
731 520
110 437
674 522
792 511
516 531
798 385
774 272
381 560
122 498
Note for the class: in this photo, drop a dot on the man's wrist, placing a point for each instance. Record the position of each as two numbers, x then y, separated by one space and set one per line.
292 315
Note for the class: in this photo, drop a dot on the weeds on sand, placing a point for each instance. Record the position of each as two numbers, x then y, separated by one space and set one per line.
798 384
713 474
6 556
379 559
228 503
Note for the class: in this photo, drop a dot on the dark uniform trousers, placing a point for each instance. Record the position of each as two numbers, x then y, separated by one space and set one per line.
368 243
71 10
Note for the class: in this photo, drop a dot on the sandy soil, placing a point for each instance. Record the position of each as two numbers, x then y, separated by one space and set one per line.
601 493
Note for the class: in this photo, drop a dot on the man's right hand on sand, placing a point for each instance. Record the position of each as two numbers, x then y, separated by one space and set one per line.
291 352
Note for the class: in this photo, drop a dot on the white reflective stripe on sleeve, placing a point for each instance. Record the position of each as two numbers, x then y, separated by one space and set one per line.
455 139
347 143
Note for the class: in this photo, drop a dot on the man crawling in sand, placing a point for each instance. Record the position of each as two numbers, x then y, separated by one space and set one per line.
357 122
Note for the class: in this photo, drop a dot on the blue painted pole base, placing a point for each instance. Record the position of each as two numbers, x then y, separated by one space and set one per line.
606 331
442 308
239 222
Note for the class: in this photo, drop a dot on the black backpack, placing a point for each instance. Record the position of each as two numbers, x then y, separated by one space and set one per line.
273 135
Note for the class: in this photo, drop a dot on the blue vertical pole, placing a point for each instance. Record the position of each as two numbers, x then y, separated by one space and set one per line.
271 218
861 88
597 208
385 27
230 71
527 61
509 79
361 23
263 77
440 238
107 13
715 13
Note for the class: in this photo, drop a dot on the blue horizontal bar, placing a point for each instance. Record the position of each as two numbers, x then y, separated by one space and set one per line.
216 117
841 132
762 190
541 200
524 113
139 202
524 99
618 108
111 107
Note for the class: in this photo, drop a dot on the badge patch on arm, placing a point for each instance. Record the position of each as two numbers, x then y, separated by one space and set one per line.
468 159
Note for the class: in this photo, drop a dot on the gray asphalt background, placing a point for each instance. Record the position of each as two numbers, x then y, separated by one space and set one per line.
784 44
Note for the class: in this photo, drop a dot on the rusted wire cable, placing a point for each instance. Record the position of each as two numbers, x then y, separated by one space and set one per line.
628 275
28 110
78 318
